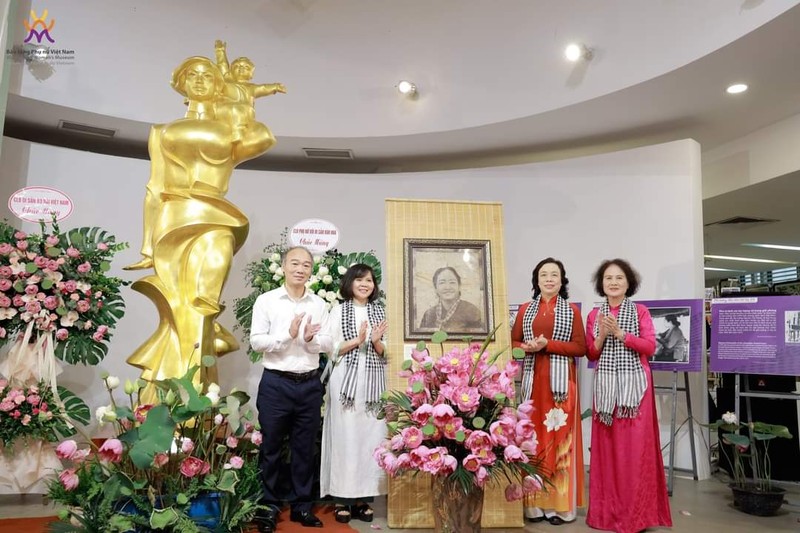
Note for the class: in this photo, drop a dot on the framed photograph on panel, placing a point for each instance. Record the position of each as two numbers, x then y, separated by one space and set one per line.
448 287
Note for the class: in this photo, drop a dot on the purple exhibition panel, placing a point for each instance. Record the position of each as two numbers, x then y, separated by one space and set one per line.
679 334
756 335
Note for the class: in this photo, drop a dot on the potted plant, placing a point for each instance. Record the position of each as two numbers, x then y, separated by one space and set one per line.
186 464
458 421
756 495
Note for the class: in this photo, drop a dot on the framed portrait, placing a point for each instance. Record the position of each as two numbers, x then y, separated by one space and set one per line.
448 287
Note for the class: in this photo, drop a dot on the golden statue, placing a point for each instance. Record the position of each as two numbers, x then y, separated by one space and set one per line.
191 232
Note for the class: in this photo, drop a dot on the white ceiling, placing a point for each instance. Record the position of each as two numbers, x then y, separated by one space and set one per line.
494 87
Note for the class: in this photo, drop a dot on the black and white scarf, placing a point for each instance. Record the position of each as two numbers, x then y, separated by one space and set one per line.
620 380
375 381
559 364
442 316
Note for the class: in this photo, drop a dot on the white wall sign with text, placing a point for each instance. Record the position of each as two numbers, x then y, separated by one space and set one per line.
317 235
40 203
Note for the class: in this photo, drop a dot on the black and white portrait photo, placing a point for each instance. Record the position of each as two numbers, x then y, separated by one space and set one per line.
447 288
792 329
672 325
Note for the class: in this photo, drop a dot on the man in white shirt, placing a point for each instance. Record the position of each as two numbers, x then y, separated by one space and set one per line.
287 328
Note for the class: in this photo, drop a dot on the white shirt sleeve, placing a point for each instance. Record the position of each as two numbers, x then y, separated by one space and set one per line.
262 339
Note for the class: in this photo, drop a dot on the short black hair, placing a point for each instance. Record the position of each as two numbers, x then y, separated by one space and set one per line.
564 291
359 270
439 271
631 276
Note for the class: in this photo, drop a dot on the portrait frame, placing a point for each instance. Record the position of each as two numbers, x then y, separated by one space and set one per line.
472 260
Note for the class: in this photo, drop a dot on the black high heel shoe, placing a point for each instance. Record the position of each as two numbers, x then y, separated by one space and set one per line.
362 512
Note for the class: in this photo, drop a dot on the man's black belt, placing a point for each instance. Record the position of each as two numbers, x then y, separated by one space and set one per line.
295 376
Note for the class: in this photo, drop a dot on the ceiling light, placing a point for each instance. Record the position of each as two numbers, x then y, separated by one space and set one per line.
736 88
745 259
407 88
722 269
575 51
774 246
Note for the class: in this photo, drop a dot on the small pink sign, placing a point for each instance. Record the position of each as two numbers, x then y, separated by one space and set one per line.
40 203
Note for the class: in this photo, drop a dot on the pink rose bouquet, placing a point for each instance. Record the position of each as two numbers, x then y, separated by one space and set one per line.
57 283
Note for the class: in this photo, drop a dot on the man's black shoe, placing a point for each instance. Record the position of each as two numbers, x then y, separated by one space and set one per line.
266 521
306 518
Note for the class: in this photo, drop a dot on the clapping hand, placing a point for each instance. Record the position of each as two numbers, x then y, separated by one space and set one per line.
612 327
362 333
310 330
535 345
294 327
378 331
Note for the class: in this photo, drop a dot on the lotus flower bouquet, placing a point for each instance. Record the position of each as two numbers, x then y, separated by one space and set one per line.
187 463
458 420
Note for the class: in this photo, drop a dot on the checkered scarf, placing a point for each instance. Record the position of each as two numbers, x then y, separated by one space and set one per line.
375 376
559 364
620 381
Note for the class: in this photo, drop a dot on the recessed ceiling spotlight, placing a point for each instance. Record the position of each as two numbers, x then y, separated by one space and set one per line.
407 88
736 88
575 51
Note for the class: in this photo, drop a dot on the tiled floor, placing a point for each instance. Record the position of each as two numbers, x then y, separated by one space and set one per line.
702 507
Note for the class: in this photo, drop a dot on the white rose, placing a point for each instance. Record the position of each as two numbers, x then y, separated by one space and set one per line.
317 259
323 271
729 418
327 280
275 258
321 293
313 279
342 270
112 382
276 278
279 272
273 267
213 387
331 296
100 413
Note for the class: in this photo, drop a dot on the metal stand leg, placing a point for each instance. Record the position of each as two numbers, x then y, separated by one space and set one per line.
691 423
671 476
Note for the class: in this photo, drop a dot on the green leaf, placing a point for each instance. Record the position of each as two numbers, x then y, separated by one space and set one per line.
421 346
439 337
47 283
428 429
417 387
478 422
460 436
518 353
233 404
74 407
30 268
53 251
738 440
499 397
104 266
19 286
155 435
227 482
407 364
161 518
61 311
182 498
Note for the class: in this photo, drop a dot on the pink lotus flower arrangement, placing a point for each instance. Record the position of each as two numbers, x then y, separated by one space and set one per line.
56 283
457 419
193 446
